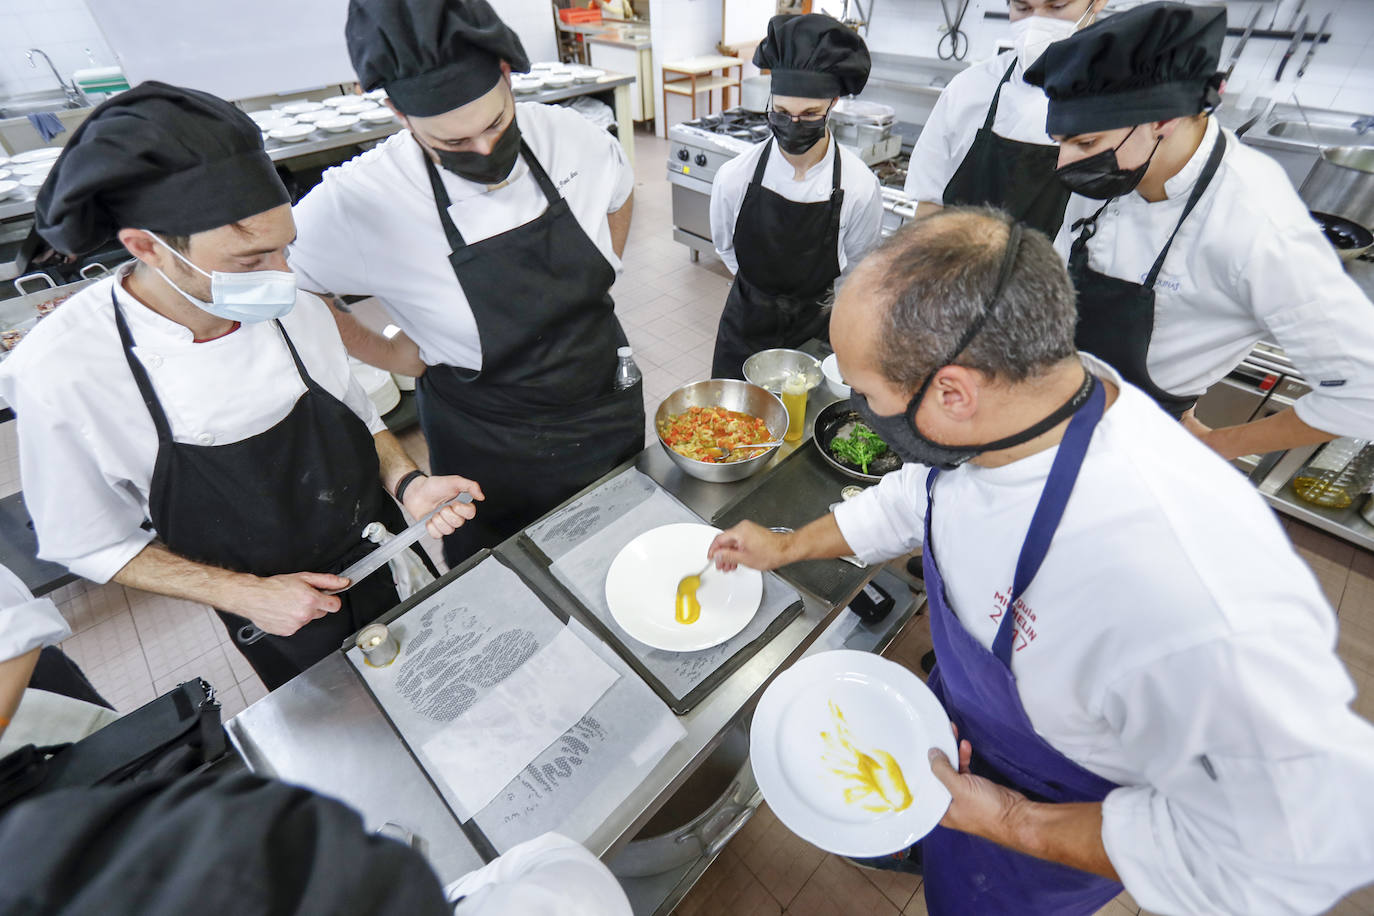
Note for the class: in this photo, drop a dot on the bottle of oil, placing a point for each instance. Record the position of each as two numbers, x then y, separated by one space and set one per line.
794 399
1337 474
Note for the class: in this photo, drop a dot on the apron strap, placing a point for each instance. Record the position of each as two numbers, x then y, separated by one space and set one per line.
443 202
1049 511
296 357
762 165
996 97
1204 180
145 384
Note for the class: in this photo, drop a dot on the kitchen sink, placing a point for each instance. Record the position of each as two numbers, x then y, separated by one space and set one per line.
1321 134
33 103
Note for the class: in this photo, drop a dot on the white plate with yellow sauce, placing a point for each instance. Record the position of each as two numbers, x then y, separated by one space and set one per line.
839 746
642 591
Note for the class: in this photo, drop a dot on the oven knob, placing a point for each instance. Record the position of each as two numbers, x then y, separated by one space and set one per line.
701 159
683 154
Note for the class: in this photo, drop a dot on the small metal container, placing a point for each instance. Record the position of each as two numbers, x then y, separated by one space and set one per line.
378 645
731 394
770 368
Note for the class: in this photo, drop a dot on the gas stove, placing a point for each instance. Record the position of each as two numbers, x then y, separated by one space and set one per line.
700 146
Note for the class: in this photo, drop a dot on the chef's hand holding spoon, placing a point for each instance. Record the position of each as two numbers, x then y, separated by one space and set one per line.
423 495
752 545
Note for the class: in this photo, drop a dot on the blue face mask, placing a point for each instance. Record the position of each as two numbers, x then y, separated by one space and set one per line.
248 296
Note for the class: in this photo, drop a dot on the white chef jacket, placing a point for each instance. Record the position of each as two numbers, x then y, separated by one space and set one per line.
87 443
370 226
861 213
959 113
1171 621
549 875
26 622
1248 264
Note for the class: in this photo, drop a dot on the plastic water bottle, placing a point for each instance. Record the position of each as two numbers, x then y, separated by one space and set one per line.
627 374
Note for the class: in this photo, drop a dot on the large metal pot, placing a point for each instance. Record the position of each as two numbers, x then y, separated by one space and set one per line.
1342 183
700 818
754 93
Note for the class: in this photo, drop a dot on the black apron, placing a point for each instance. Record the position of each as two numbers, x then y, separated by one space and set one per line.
1014 176
294 498
788 261
542 419
1116 318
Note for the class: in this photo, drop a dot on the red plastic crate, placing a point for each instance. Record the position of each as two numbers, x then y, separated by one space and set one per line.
575 15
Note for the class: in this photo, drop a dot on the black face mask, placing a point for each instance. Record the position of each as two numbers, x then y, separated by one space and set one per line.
899 431
1100 176
493 168
795 137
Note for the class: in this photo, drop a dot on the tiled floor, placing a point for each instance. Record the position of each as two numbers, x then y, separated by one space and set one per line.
134 645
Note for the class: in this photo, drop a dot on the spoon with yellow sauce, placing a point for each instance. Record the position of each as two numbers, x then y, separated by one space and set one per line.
688 608
875 777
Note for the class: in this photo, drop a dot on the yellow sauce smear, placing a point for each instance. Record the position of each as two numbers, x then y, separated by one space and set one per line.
688 607
877 778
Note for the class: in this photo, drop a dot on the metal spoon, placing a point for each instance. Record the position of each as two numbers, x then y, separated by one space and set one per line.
724 451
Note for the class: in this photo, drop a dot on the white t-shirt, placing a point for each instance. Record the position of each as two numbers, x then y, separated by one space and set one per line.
1171 622
959 112
1249 264
371 228
87 444
26 622
861 213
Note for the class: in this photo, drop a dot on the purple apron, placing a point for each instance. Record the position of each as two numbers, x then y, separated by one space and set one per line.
964 874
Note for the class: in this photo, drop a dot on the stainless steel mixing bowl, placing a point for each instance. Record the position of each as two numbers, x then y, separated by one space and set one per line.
770 368
731 394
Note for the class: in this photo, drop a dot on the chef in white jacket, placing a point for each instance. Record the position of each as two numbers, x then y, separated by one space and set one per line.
190 426
1187 247
985 141
797 211
1140 666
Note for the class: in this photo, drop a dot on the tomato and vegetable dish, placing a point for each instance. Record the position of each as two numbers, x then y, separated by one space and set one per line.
701 433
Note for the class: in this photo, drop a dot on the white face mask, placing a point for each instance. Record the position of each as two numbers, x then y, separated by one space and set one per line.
249 296
1032 35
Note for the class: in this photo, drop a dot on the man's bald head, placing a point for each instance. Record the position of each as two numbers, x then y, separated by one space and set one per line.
910 302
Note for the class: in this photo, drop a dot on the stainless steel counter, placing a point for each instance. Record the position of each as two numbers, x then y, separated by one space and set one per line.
325 731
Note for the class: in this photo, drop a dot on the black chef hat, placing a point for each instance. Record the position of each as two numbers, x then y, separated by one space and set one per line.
431 56
207 845
813 56
156 157
1151 63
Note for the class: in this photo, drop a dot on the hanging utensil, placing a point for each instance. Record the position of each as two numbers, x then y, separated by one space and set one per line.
954 33
1244 38
1312 50
1292 48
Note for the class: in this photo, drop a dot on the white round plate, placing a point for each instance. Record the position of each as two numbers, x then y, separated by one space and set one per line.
8 189
376 115
641 590
46 154
268 115
886 707
33 182
588 74
5 174
312 117
337 124
358 107
293 133
338 101
376 95
297 108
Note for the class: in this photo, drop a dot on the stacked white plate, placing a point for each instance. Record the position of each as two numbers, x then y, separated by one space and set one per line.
311 117
47 154
358 106
338 101
291 133
524 84
299 108
378 384
559 79
267 115
338 123
376 116
587 74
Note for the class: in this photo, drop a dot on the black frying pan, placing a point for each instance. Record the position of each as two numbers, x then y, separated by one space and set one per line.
1348 237
838 420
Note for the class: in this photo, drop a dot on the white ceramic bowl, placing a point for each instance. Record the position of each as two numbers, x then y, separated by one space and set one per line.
297 108
376 116
337 124
314 117
268 115
339 101
293 133
830 368
558 79
359 107
21 169
8 189
545 65
376 95
33 182
5 175
588 74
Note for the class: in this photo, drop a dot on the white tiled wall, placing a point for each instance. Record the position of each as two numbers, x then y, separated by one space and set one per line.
62 28
1341 75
